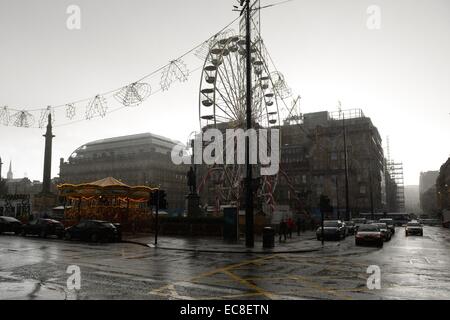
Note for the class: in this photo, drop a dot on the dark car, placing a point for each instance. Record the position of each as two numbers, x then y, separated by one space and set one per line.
390 223
358 222
10 224
369 234
332 229
93 230
413 228
43 228
351 227
385 231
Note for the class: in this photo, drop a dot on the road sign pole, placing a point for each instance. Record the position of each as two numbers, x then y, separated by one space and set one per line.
322 230
156 220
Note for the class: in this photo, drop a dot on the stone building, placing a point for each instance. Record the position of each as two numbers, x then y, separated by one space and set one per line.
140 159
427 189
313 164
313 159
443 187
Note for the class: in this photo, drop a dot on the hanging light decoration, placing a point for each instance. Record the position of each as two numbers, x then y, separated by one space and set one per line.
44 116
133 94
70 111
176 70
4 116
23 119
96 107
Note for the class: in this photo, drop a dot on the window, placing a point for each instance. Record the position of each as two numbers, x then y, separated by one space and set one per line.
362 189
333 156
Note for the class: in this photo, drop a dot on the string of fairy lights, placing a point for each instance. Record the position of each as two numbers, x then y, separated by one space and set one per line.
133 94
102 104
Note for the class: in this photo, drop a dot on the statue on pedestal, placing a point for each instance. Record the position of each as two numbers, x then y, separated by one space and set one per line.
192 181
192 199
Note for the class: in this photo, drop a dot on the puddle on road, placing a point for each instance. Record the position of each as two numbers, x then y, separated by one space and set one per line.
30 290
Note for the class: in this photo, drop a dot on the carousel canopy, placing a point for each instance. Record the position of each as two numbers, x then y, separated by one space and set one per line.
108 187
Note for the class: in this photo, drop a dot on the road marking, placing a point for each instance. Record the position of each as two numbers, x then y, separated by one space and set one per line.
224 270
319 287
250 285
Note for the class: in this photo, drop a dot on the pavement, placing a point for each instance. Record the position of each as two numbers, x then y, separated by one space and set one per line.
409 267
306 242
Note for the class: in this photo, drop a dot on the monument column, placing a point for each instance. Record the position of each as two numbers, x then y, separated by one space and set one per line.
46 181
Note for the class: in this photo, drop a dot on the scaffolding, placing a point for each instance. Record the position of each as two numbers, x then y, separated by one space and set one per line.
395 170
347 114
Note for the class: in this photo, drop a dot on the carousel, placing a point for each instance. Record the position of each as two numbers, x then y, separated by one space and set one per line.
108 199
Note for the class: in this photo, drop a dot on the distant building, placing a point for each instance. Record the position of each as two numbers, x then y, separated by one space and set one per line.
23 186
17 194
141 159
427 189
443 187
427 180
412 197
9 175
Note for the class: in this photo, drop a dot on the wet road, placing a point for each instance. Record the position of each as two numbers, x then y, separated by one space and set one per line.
411 268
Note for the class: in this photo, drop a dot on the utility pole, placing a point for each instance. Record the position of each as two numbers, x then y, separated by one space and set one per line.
322 231
249 236
337 199
156 220
372 211
347 205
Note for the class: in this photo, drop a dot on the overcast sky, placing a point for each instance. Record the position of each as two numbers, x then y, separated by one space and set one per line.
398 74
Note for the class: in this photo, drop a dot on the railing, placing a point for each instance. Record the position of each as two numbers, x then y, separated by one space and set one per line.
347 114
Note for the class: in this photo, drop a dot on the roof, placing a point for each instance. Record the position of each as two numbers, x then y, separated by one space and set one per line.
109 181
125 145
107 187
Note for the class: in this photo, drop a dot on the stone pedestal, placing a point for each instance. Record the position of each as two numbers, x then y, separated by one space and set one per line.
193 205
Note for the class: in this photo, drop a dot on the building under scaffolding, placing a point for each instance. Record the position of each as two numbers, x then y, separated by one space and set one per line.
395 171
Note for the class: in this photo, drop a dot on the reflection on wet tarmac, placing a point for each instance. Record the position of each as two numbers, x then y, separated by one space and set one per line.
411 268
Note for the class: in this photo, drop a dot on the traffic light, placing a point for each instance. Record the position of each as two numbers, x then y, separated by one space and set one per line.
153 201
162 199
325 204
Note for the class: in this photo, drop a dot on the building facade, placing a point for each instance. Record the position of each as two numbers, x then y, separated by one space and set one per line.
313 164
443 187
313 160
141 159
427 189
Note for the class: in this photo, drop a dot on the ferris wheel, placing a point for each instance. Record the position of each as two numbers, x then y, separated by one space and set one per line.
222 105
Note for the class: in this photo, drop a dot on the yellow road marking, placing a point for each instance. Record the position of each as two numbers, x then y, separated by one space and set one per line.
171 287
250 285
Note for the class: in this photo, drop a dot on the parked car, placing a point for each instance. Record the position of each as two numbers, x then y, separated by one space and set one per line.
369 234
93 230
385 231
10 224
351 227
43 228
358 222
332 229
430 222
390 223
413 228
